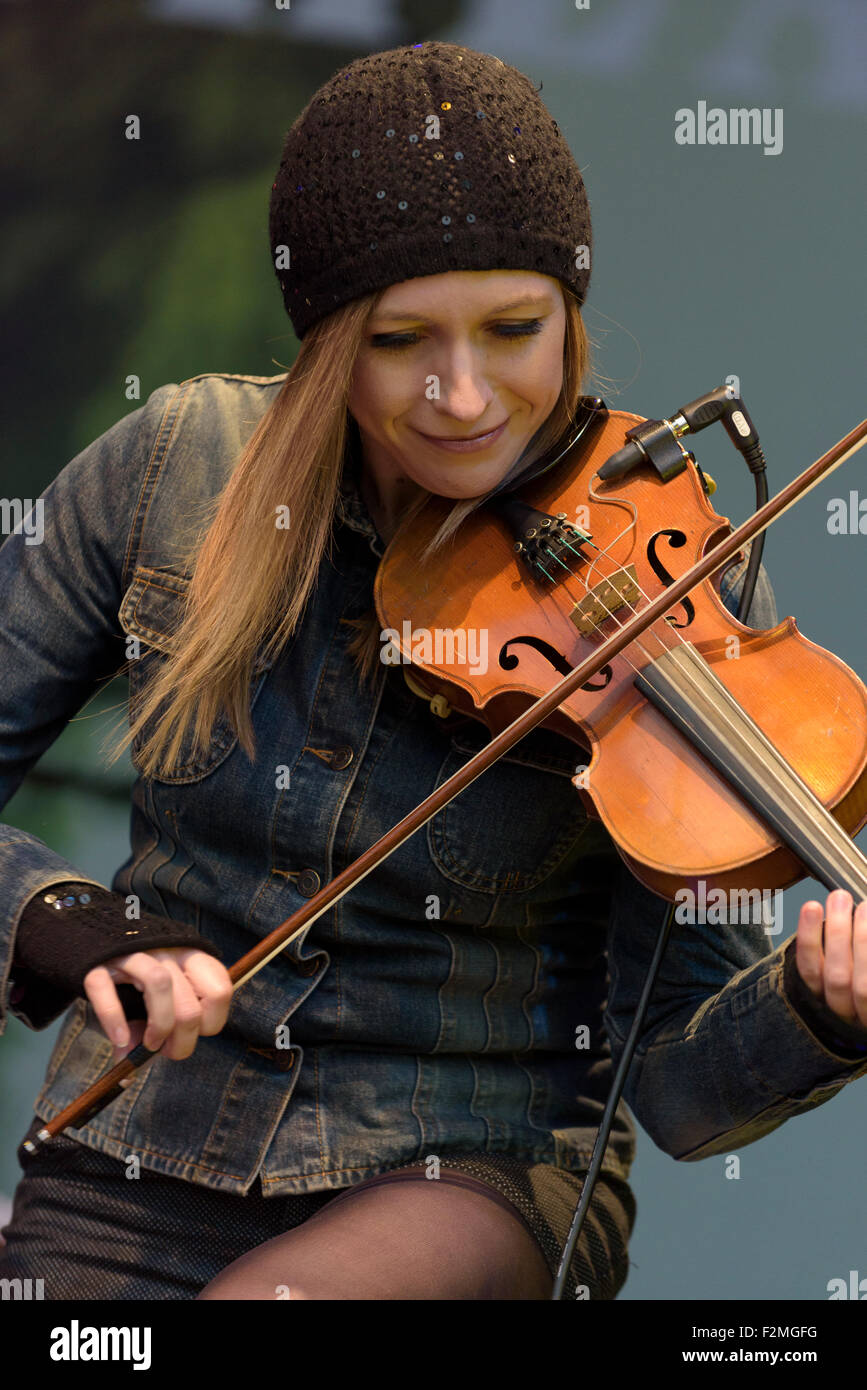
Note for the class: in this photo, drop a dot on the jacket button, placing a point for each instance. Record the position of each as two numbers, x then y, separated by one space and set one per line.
308 883
282 1057
342 756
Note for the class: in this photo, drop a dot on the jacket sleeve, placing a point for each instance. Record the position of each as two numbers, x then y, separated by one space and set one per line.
731 1046
60 638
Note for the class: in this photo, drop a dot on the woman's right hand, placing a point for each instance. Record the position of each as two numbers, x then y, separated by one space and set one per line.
187 994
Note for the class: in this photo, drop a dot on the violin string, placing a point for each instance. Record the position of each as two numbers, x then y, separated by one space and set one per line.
822 826
694 687
584 579
671 631
824 830
633 526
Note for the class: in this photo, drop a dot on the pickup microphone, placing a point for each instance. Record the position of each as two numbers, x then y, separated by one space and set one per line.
656 441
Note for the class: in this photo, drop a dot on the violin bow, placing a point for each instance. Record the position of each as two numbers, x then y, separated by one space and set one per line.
113 1083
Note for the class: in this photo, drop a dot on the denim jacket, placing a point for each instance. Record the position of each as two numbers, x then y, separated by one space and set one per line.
472 993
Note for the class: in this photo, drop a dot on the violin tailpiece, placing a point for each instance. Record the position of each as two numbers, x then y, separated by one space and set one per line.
542 540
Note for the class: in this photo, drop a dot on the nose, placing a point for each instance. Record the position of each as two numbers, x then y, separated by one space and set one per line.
464 389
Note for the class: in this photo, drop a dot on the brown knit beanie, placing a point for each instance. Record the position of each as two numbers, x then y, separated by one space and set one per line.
421 160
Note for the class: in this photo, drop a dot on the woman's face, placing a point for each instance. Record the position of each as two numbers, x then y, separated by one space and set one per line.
450 356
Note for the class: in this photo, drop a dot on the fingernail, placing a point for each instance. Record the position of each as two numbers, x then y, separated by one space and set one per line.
121 1037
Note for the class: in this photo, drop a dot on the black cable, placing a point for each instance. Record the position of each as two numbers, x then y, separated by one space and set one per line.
756 462
613 1100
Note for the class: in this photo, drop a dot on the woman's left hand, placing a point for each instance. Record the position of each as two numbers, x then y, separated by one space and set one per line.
837 975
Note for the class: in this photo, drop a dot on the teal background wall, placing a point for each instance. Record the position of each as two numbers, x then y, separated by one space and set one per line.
150 258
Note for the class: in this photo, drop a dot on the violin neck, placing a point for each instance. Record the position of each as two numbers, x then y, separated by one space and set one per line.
683 687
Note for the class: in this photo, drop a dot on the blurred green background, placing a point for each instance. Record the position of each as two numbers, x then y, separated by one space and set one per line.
150 258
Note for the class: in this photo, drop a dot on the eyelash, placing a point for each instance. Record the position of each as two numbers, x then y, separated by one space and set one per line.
396 341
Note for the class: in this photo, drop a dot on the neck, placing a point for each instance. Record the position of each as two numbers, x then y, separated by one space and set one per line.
387 501
385 490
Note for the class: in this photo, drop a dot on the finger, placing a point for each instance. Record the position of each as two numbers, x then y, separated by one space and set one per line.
155 979
859 967
136 1033
808 947
212 984
838 955
99 986
183 1033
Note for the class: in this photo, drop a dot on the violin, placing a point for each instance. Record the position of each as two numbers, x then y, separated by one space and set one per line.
714 751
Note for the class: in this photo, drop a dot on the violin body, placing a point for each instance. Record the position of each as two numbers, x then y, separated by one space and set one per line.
673 817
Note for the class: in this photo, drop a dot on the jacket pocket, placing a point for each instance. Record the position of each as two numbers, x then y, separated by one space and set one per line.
510 829
152 610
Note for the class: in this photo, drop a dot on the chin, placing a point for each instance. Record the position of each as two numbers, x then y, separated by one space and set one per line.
466 480
459 489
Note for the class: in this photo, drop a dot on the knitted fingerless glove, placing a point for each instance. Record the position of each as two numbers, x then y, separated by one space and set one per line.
68 928
848 1039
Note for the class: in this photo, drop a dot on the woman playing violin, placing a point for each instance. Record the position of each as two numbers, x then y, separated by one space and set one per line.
403 1103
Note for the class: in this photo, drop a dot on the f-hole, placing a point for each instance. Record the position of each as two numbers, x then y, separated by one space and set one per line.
509 661
676 539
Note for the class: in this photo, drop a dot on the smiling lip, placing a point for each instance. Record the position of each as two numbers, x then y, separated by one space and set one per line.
466 445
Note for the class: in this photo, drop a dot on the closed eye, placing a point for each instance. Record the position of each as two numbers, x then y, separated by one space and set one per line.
524 329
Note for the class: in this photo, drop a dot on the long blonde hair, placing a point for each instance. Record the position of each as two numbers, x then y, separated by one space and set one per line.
251 578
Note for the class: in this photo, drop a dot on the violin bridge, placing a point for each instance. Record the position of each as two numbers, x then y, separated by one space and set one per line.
604 599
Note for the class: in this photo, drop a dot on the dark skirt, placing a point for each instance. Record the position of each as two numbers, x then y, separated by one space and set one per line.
89 1232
